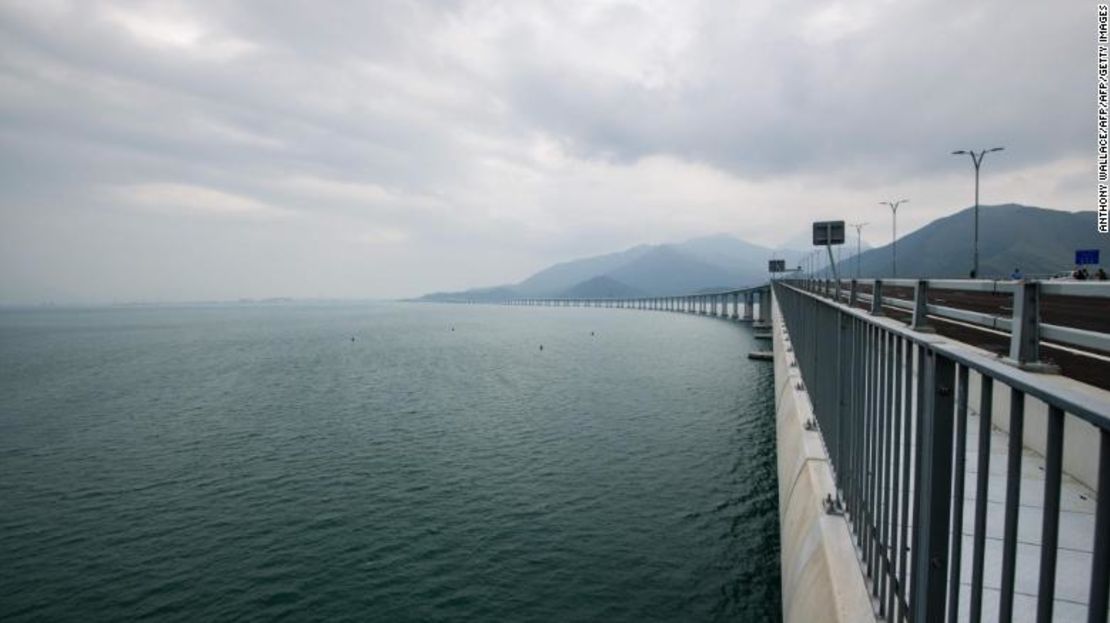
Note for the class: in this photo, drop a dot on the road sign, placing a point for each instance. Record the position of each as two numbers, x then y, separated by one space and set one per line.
1086 256
828 232
776 266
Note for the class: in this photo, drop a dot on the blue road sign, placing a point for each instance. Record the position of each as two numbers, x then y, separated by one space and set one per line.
1086 256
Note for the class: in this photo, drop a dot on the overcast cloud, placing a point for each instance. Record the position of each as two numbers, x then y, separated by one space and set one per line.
212 150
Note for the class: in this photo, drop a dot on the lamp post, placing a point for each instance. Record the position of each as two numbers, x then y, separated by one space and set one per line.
976 159
858 226
894 234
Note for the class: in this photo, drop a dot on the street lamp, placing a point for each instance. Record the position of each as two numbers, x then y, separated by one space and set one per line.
858 226
976 159
894 235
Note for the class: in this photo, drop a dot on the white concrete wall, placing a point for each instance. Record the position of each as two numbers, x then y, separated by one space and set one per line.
821 576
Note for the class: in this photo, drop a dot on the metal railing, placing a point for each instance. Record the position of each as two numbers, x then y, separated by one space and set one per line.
1024 323
891 405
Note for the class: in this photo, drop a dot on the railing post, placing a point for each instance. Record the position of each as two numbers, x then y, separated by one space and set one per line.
934 496
920 306
1025 327
877 298
765 306
853 294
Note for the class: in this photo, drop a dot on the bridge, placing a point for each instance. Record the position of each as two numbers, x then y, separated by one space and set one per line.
924 473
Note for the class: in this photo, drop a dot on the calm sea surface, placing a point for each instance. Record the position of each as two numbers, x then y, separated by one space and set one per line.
253 463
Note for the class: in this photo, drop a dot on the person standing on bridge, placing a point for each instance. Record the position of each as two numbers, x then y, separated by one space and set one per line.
1016 275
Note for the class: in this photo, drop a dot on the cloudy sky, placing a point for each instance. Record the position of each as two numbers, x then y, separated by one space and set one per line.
192 150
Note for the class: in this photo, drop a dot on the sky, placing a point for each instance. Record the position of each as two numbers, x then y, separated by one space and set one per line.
176 151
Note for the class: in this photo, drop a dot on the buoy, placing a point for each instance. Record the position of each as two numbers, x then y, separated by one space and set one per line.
352 339
541 346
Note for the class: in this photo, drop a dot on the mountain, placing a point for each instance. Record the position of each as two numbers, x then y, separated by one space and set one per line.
666 270
569 274
701 264
602 287
477 295
724 250
1037 240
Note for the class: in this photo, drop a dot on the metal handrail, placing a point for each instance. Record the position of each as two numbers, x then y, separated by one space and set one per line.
891 405
1047 388
1030 330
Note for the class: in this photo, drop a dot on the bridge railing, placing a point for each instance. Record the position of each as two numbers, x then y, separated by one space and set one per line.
1023 324
892 407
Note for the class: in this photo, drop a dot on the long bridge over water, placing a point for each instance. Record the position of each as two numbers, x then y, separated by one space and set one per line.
925 474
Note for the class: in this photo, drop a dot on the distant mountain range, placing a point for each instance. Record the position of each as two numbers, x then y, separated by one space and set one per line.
1037 240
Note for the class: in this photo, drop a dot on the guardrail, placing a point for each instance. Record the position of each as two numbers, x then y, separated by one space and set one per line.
891 404
1024 325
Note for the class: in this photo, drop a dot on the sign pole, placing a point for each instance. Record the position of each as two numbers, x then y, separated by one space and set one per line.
832 262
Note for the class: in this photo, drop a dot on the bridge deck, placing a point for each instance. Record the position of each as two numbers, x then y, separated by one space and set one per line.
1076 536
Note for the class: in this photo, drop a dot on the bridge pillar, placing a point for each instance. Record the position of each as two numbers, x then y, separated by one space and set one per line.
735 306
764 307
749 299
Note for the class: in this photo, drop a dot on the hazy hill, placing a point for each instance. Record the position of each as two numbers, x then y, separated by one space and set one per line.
603 287
724 250
1037 240
666 270
564 275
477 295
1040 241
712 262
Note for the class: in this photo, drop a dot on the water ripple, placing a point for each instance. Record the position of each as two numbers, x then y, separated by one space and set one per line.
252 463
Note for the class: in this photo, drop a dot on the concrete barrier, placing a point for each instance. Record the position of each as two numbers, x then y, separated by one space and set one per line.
821 576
